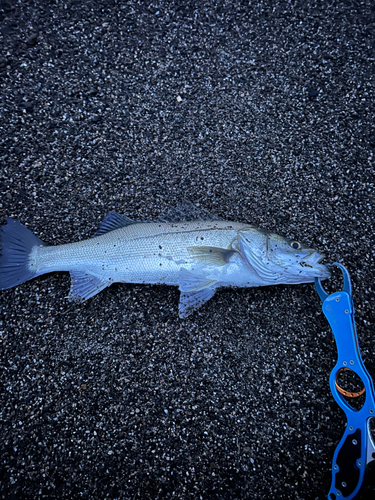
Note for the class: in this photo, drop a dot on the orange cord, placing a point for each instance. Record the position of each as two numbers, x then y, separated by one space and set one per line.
346 393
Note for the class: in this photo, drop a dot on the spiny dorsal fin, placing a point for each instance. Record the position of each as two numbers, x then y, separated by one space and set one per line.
186 211
113 221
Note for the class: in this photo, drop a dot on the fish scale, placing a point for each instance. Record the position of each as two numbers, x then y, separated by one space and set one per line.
124 255
197 256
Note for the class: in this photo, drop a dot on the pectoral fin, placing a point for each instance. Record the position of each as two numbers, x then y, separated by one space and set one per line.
214 256
84 286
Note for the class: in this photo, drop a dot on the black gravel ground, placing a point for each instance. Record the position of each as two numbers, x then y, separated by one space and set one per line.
260 112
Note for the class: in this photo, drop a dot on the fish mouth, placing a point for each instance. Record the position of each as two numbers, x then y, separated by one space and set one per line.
312 265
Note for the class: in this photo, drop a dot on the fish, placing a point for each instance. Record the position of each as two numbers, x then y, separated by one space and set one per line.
197 256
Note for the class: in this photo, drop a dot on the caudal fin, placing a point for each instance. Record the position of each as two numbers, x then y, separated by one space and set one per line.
16 243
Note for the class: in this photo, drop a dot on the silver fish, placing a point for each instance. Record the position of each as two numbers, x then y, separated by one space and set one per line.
197 256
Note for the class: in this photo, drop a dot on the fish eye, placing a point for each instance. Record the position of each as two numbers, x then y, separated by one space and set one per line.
295 245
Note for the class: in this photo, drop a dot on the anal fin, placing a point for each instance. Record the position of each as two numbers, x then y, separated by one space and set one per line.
84 285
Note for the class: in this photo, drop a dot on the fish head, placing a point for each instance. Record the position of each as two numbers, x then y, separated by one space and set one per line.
280 260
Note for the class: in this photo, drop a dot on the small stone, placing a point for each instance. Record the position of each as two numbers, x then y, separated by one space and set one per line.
7 6
28 106
32 40
7 30
313 93
179 98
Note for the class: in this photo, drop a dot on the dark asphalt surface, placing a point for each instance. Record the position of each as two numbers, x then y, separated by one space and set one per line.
261 113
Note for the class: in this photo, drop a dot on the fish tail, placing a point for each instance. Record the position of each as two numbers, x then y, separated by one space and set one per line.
16 244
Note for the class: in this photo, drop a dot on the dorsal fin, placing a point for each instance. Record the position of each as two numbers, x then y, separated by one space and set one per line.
113 221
